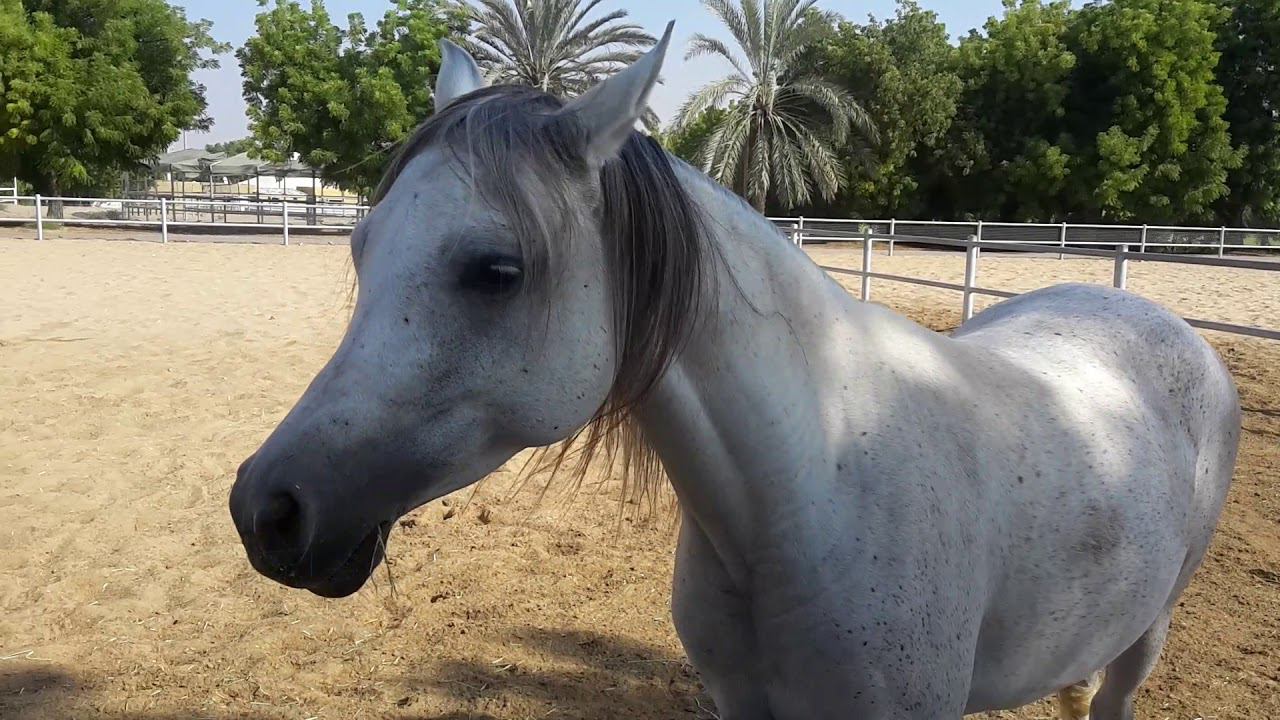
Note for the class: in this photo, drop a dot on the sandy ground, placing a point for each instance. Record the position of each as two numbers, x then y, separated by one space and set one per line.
134 377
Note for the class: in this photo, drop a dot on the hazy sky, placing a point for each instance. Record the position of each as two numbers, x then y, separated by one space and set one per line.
233 23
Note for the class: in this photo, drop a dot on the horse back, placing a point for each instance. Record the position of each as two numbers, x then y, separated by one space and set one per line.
1073 331
1114 360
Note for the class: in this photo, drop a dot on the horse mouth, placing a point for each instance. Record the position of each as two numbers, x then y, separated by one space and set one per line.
351 575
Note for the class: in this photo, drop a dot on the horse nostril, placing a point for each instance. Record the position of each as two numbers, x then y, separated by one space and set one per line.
279 527
281 514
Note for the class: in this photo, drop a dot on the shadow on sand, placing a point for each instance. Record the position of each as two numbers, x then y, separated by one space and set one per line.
581 676
595 676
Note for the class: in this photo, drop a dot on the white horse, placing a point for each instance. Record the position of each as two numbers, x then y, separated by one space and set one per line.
878 521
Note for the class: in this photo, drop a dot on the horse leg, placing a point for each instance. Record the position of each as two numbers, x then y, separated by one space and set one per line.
714 625
1074 702
1126 673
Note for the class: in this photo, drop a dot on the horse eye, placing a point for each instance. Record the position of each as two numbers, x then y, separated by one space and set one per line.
492 274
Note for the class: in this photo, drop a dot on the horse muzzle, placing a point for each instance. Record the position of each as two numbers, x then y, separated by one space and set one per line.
299 539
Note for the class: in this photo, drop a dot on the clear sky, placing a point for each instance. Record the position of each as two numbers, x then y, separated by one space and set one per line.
233 23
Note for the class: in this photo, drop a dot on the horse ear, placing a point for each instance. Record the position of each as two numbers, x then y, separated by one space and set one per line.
458 75
611 109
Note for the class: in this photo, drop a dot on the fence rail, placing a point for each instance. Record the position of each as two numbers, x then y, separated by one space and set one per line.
1114 242
277 215
1142 237
282 217
1121 256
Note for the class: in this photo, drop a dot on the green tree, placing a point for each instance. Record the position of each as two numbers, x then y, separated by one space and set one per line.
231 147
902 70
1249 73
782 124
688 142
1005 156
1147 112
340 99
93 88
552 45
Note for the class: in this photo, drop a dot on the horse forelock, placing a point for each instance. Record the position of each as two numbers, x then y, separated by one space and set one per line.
526 159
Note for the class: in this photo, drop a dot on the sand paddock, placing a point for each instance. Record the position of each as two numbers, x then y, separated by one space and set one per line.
134 377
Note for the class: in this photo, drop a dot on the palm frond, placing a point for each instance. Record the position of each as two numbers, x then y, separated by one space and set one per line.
824 165
835 101
776 137
761 169
553 44
703 45
709 96
725 148
790 169
733 19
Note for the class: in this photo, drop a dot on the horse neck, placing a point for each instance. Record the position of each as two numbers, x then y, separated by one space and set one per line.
738 418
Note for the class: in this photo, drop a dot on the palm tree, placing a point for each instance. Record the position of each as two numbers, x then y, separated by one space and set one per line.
550 44
781 125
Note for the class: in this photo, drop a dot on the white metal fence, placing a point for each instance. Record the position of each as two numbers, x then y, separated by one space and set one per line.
1114 242
1120 255
1166 238
281 216
164 215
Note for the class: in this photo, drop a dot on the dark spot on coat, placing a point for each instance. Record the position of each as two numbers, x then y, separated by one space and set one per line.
1101 531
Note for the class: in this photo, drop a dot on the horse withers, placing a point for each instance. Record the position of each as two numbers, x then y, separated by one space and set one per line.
878 521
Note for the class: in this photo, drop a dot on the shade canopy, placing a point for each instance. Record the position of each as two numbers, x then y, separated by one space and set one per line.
240 164
202 164
186 162
290 167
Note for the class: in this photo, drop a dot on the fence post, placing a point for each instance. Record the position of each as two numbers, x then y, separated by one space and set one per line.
970 277
39 220
15 189
1222 241
979 233
284 204
866 268
164 220
1062 239
1120 275
893 230
800 231
1143 247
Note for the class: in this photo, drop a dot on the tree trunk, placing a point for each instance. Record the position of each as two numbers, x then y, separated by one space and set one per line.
54 205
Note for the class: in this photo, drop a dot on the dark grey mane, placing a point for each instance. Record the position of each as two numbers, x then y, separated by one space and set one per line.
528 160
